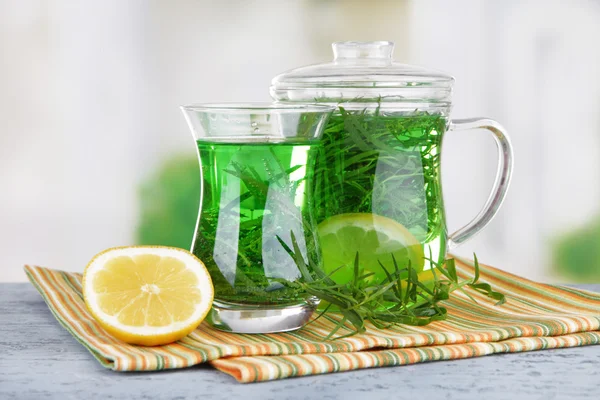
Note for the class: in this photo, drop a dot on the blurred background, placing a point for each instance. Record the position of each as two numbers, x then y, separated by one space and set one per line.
95 153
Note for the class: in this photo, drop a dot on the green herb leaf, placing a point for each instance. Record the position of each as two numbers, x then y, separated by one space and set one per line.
386 303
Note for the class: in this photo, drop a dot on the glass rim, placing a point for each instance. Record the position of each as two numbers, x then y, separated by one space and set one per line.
363 43
257 108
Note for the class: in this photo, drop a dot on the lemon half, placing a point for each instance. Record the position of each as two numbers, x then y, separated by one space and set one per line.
147 295
375 238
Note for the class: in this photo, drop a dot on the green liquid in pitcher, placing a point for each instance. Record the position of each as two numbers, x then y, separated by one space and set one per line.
252 194
387 166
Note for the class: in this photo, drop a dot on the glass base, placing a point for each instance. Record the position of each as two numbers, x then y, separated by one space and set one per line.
254 318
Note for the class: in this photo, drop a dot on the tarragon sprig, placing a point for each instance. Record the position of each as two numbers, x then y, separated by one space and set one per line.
400 298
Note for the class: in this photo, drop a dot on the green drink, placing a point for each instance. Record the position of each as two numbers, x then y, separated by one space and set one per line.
378 188
254 193
387 166
257 164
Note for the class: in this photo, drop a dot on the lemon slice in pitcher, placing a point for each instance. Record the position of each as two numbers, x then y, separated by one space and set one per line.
375 238
148 295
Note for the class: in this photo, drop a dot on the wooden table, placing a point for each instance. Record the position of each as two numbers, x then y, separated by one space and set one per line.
41 360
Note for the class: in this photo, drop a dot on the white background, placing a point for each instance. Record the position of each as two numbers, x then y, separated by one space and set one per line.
89 95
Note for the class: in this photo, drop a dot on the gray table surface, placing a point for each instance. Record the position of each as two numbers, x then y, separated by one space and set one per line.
41 360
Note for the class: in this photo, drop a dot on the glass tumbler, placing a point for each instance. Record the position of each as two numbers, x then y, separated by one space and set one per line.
257 167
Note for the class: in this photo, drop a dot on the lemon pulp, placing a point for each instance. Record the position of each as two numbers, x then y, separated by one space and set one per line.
376 239
147 295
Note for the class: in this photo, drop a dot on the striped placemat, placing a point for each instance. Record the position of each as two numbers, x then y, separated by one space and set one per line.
536 316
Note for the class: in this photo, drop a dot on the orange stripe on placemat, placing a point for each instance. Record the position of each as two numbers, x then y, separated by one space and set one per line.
529 289
536 316
56 298
244 369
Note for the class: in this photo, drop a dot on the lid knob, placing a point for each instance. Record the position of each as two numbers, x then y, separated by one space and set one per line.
381 50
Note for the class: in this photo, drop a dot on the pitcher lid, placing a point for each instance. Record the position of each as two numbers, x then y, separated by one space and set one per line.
365 71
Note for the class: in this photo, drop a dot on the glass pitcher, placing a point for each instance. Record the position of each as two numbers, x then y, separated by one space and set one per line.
377 182
257 168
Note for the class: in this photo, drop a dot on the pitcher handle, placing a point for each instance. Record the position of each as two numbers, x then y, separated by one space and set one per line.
503 175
